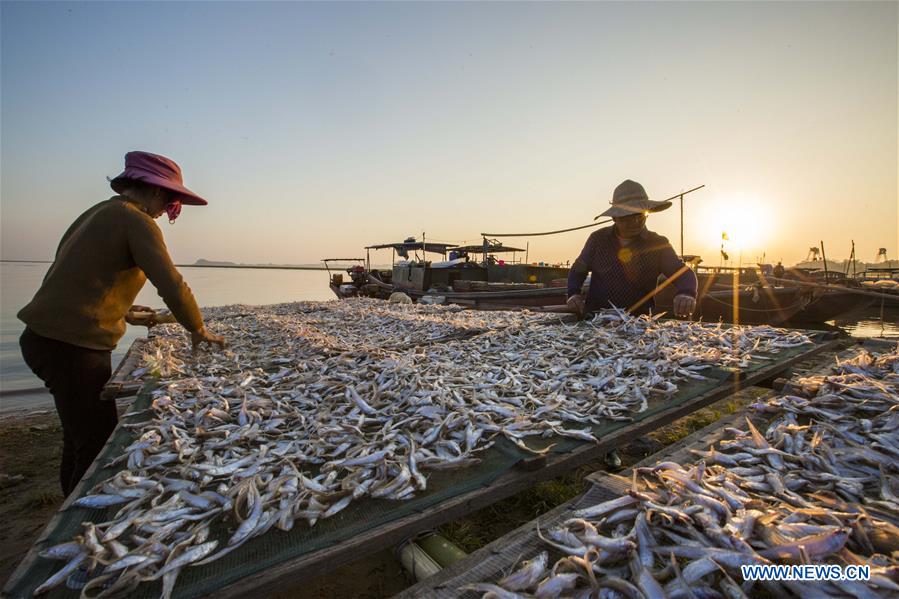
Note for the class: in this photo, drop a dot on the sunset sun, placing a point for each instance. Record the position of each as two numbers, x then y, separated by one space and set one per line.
740 226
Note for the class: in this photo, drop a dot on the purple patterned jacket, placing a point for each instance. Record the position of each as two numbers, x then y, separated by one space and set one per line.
624 275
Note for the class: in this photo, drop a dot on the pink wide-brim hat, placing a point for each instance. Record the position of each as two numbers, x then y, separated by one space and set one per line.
156 170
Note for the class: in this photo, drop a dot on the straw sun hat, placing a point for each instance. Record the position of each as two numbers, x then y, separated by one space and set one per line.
630 198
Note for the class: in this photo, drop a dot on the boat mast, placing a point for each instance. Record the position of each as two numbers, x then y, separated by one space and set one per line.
681 197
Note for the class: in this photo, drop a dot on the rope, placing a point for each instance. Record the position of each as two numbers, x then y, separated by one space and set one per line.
602 222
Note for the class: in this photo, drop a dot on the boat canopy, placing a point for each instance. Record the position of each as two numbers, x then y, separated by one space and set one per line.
402 248
492 248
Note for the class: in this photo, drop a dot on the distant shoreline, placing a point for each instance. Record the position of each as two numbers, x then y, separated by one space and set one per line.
259 266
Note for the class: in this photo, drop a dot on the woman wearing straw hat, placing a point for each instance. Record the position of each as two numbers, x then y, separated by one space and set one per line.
626 260
78 315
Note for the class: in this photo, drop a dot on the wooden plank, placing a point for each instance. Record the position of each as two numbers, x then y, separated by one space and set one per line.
500 555
280 578
442 584
121 384
679 451
879 345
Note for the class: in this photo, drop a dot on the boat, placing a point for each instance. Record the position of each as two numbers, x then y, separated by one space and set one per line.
472 275
742 304
882 279
357 273
800 296
842 292
476 276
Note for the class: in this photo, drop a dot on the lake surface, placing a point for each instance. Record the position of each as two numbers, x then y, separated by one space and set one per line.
20 389
211 287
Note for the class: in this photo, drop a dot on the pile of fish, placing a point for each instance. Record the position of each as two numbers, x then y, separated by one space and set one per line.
368 323
819 487
314 405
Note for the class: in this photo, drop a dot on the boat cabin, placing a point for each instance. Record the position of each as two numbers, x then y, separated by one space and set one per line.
483 267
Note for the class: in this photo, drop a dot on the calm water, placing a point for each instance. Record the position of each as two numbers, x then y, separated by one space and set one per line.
211 286
872 321
223 286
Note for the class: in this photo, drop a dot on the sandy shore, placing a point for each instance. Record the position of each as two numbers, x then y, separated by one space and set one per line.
30 450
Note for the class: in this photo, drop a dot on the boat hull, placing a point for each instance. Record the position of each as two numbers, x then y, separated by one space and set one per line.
831 304
752 305
756 305
525 298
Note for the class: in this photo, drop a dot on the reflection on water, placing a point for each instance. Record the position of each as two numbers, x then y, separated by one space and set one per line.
872 321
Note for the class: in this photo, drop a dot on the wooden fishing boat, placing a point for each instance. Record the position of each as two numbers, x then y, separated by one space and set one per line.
751 306
726 294
496 297
883 280
798 298
828 305
487 280
744 305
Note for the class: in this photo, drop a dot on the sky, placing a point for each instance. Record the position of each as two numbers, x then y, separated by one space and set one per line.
315 129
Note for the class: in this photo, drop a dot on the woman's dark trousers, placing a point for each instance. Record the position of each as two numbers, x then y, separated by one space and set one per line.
75 377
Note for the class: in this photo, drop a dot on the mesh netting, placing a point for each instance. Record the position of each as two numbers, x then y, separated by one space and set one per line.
277 546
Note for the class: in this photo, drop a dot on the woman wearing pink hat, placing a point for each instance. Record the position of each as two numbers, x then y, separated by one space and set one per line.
78 315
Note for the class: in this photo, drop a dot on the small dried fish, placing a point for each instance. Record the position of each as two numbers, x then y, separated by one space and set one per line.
315 405
803 492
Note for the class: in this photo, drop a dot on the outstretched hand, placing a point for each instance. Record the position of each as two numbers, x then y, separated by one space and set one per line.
205 336
684 305
141 316
576 303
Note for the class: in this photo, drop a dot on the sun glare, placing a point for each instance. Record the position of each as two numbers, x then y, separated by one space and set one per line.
739 227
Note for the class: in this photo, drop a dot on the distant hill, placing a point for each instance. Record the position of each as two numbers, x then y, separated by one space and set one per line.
204 262
225 264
